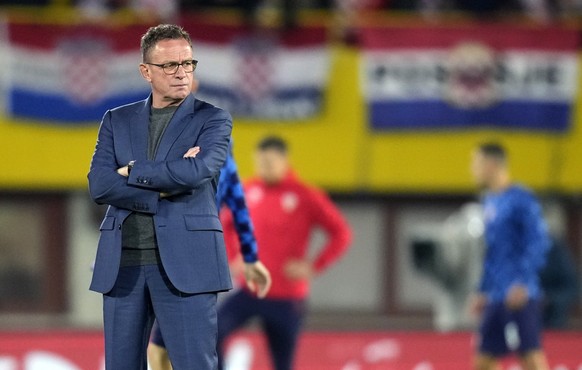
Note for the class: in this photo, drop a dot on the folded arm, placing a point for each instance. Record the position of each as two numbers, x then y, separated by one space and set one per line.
188 172
107 186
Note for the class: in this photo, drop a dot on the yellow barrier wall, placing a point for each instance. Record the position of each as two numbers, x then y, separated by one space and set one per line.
336 150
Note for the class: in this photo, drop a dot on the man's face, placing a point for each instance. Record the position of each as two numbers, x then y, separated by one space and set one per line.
271 165
168 89
483 169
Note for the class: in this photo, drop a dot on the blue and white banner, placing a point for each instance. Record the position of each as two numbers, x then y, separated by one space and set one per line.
71 74
260 75
486 76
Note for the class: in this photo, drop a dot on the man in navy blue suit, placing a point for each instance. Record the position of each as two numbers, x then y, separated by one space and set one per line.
161 252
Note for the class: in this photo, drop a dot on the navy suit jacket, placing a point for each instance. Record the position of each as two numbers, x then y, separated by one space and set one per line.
187 227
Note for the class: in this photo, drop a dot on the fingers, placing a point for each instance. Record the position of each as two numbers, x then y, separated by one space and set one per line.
192 152
262 293
123 171
251 285
262 288
258 279
265 286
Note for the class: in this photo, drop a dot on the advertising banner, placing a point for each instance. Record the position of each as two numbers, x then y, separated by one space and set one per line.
482 75
61 350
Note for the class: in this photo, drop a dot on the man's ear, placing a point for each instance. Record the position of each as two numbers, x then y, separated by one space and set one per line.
145 72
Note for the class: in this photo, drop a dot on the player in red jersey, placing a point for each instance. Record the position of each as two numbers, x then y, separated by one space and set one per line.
285 211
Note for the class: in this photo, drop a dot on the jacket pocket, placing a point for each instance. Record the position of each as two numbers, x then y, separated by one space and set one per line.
108 223
202 222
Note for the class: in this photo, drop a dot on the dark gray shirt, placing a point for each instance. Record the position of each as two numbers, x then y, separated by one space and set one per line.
138 233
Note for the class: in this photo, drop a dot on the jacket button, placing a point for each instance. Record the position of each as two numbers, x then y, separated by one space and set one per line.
119 227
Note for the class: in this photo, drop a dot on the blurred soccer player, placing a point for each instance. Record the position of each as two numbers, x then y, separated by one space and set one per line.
284 211
229 193
517 240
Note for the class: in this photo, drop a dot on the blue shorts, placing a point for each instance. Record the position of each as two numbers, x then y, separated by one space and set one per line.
503 331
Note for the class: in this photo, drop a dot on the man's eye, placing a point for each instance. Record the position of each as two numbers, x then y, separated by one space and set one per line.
171 65
188 63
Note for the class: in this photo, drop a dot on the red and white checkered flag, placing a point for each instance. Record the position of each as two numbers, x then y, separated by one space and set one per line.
256 66
84 70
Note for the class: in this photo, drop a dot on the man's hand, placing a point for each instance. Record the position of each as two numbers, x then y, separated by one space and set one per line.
477 304
258 278
517 297
298 269
123 171
192 152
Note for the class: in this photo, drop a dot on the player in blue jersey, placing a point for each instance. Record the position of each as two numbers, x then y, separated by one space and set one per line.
229 193
516 239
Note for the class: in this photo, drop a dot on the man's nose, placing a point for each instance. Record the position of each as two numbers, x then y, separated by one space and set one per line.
180 72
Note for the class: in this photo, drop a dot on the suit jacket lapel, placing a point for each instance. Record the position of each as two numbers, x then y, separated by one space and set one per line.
176 126
138 127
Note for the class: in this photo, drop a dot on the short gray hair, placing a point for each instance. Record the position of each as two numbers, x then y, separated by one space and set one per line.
159 33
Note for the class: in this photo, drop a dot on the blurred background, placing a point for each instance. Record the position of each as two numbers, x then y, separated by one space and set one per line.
381 102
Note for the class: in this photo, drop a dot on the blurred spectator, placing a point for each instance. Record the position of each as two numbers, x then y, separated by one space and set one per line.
453 260
346 12
24 2
254 10
560 284
516 237
257 13
565 8
536 9
539 10
150 10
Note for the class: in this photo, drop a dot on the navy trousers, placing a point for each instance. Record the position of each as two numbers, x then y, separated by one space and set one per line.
281 320
187 321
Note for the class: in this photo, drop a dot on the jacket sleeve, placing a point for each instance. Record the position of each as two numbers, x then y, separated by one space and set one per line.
188 173
339 235
230 237
106 186
536 241
235 200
